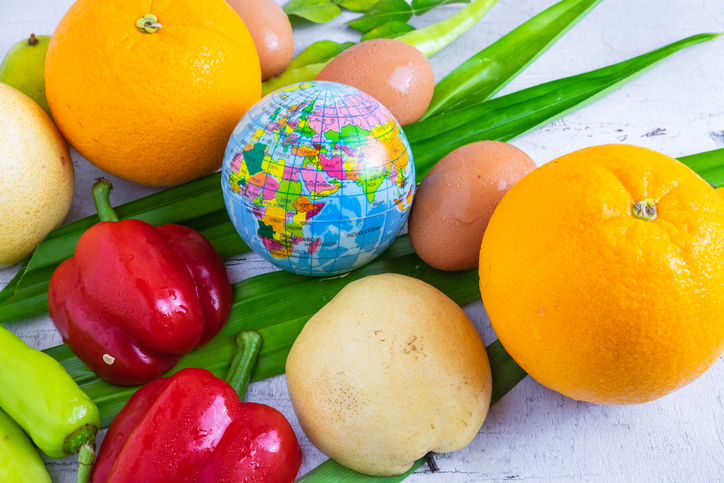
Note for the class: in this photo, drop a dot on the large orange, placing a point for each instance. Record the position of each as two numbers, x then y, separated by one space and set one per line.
594 302
155 108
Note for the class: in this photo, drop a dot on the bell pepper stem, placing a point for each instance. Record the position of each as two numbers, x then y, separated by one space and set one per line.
86 458
101 197
248 343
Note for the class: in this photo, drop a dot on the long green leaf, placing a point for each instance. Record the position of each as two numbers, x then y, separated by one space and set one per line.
429 40
708 165
433 38
390 30
277 304
499 119
506 117
488 71
319 52
9 289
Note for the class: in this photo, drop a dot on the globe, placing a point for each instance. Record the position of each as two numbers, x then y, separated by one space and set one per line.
318 178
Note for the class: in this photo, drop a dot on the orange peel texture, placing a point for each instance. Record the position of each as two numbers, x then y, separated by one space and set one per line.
598 304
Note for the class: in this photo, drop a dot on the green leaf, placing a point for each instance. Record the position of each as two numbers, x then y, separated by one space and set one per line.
318 52
277 304
509 116
423 6
488 71
292 76
358 5
9 289
428 40
332 472
384 11
433 38
198 204
389 30
318 11
499 119
708 165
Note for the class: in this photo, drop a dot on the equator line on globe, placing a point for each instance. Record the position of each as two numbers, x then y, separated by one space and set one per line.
318 178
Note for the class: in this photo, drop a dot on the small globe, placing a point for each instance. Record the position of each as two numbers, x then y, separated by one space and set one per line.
318 178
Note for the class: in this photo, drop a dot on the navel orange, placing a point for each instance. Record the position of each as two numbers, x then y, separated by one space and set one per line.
602 274
151 91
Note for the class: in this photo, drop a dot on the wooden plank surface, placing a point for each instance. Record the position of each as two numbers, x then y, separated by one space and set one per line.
533 434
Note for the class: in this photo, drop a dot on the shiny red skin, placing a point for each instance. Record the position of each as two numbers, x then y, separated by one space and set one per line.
141 294
191 427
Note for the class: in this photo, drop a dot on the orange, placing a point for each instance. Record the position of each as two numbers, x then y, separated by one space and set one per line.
155 107
594 302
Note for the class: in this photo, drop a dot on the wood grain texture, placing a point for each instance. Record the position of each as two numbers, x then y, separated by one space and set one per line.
532 434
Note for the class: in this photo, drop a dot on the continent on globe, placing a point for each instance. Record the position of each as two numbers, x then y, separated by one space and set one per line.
318 178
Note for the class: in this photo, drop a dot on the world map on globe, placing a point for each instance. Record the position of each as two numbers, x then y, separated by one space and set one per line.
318 178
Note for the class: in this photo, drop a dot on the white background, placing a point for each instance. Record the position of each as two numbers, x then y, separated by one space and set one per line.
533 434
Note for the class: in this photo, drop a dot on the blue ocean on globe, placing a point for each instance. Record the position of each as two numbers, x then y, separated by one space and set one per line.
318 178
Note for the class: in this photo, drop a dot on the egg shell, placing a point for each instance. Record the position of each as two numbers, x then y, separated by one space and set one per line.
272 33
456 199
36 175
393 72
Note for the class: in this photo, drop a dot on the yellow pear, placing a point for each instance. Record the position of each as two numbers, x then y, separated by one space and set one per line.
387 371
36 175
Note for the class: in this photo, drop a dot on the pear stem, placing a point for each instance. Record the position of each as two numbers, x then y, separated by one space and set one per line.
33 40
430 460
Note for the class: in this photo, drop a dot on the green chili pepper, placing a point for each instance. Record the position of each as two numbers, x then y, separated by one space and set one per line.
45 401
429 40
19 460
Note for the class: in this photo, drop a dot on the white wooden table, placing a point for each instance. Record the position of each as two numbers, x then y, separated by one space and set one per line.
533 433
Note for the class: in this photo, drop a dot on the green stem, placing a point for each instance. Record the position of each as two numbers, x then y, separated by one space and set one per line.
644 210
248 343
101 197
86 458
429 40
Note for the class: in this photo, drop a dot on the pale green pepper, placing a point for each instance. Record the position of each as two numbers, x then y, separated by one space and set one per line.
44 400
19 460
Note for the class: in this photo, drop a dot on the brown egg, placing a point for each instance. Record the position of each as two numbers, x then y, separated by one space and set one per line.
272 33
455 200
393 72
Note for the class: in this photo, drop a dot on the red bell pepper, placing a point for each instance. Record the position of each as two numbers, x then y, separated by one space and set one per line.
135 297
192 427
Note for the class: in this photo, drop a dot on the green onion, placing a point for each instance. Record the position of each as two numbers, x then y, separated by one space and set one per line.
500 119
488 71
708 165
506 117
